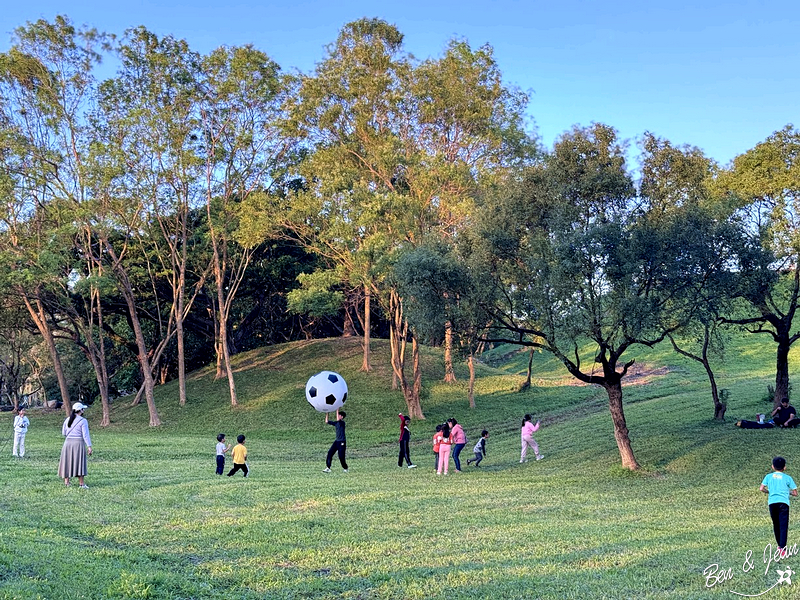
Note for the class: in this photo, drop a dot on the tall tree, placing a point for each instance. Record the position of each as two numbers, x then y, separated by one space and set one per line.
569 259
349 113
677 179
46 89
244 154
467 134
766 182
157 90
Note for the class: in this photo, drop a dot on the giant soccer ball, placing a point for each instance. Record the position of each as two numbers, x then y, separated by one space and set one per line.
326 391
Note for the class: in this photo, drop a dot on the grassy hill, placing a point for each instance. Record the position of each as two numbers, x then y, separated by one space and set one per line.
157 523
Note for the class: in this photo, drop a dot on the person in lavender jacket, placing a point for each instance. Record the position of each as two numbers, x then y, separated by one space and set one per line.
77 446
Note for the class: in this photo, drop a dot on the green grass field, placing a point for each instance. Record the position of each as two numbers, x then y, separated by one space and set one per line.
157 523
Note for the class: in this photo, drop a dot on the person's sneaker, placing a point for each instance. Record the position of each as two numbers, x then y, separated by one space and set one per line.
344 470
782 552
523 461
84 486
539 457
412 466
326 470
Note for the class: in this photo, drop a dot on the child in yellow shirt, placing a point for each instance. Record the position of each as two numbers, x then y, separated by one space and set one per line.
239 455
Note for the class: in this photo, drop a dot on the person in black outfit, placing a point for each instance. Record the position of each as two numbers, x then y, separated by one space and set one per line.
785 415
405 437
340 443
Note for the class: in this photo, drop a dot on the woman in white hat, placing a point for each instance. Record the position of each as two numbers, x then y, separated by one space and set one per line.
76 447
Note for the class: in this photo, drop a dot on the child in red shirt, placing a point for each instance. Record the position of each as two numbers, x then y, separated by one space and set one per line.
436 448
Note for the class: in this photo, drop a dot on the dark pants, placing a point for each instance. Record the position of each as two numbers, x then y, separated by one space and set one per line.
435 460
456 451
237 467
336 447
220 463
780 522
790 423
404 453
477 460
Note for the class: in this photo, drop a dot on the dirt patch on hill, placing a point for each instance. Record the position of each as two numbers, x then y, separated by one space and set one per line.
638 374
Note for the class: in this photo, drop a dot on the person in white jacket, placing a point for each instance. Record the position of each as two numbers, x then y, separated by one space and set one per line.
21 424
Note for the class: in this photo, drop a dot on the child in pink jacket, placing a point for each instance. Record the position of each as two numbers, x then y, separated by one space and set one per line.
528 428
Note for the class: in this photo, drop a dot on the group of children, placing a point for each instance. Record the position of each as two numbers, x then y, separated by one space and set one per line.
449 437
238 454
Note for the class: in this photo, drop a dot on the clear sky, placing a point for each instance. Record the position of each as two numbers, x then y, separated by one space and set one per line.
714 74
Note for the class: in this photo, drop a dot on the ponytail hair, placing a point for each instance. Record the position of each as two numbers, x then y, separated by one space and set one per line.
72 416
525 419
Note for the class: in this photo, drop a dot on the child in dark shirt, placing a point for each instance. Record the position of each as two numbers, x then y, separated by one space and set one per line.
479 449
340 443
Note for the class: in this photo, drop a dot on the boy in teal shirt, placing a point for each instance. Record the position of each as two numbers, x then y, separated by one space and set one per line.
779 486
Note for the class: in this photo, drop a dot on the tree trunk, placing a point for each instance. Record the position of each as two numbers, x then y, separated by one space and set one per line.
144 362
719 407
40 319
348 327
417 387
614 391
398 328
366 364
181 346
782 370
471 388
527 383
102 382
449 372
226 358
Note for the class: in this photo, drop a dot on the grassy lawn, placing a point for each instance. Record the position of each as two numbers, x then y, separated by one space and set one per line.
157 523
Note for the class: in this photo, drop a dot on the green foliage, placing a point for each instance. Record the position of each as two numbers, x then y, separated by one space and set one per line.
315 296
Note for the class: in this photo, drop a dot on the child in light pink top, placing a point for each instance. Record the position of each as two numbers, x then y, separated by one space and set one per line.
528 429
444 449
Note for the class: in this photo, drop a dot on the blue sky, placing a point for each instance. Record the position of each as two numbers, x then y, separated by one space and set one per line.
718 75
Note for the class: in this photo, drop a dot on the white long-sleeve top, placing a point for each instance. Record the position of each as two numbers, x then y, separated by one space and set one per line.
79 429
21 424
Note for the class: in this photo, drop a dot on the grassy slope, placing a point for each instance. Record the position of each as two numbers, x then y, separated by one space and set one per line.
157 523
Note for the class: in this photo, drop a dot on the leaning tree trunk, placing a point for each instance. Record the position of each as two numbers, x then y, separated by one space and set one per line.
782 370
614 391
449 372
719 407
40 319
126 289
226 357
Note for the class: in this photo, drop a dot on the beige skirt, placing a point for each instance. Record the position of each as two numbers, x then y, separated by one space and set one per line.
73 459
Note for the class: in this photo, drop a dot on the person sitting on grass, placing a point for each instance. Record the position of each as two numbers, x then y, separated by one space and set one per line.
785 415
239 455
